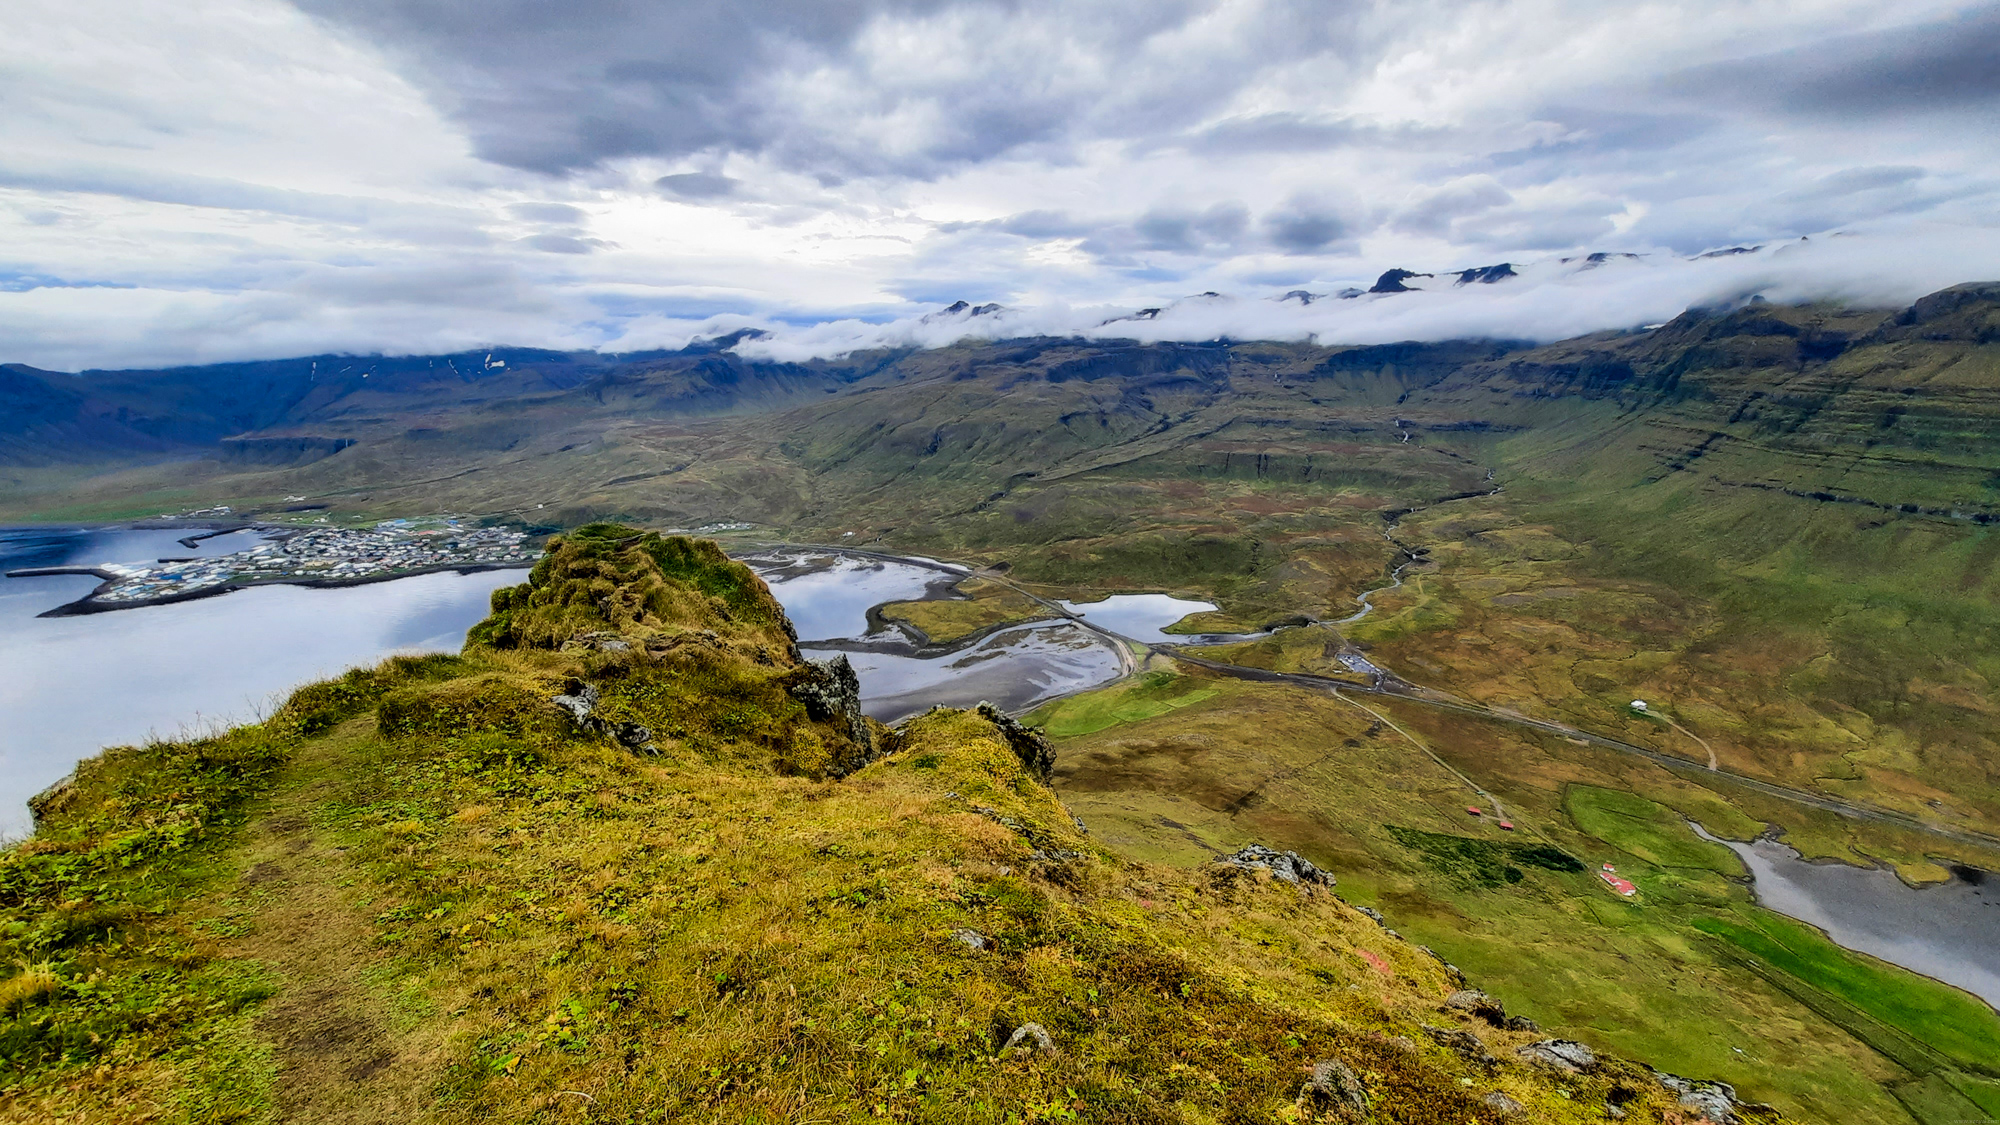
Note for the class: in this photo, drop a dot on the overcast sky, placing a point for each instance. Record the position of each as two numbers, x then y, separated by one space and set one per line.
252 178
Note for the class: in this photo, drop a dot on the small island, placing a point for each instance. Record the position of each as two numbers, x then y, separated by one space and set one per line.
318 556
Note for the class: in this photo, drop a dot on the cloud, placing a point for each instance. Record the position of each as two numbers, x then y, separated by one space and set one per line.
1304 226
1946 66
564 243
1435 212
697 185
549 212
856 162
1550 299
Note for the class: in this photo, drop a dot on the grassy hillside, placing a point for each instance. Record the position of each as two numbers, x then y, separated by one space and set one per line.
426 892
1178 767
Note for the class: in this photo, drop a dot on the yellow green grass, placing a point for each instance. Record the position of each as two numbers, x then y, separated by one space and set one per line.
1297 769
419 893
985 605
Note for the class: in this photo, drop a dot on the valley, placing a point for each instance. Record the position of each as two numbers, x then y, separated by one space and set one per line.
1776 526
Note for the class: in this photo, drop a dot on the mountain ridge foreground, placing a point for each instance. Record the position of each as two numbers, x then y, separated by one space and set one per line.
1775 525
699 886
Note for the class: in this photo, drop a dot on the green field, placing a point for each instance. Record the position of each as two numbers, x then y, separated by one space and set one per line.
1940 1016
1646 830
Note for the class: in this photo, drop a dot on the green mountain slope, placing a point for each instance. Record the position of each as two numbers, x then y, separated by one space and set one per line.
427 892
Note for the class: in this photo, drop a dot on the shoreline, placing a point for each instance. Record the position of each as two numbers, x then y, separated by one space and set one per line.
89 605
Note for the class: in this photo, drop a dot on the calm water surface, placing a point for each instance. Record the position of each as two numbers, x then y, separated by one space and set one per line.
70 686
1950 932
828 598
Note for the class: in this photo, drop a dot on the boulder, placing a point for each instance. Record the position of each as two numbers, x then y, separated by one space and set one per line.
1334 1086
1289 867
1713 1100
1566 1055
1464 1043
1032 1038
579 701
1503 1105
1474 1002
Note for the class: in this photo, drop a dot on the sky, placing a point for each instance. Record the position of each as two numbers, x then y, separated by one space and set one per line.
260 178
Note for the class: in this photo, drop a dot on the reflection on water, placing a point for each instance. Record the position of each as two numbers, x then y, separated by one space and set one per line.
1142 617
828 597
70 686
1014 669
1950 932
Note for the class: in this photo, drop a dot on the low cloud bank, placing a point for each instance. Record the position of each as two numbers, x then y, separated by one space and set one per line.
1548 300
440 307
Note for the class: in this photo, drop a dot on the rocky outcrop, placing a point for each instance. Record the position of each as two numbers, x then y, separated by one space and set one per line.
1462 1043
1715 1101
579 701
1476 1003
1566 1055
1486 275
1335 1087
831 693
273 452
1289 867
53 799
1392 281
1028 744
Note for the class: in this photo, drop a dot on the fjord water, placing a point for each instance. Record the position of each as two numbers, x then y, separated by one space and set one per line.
70 686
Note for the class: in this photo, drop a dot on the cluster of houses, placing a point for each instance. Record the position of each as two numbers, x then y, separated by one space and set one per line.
321 554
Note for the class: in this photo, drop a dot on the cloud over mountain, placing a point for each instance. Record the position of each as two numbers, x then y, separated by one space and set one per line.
607 167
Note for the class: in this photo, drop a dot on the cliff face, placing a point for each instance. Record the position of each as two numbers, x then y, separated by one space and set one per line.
618 861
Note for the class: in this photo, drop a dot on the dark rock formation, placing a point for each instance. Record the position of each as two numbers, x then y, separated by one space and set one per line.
1035 751
831 693
1464 1043
1334 1086
1392 281
579 701
1290 867
1486 275
1566 1055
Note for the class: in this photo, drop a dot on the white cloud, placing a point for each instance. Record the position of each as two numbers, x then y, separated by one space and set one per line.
238 179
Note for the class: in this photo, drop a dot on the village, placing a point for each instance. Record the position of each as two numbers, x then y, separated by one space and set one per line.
320 555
